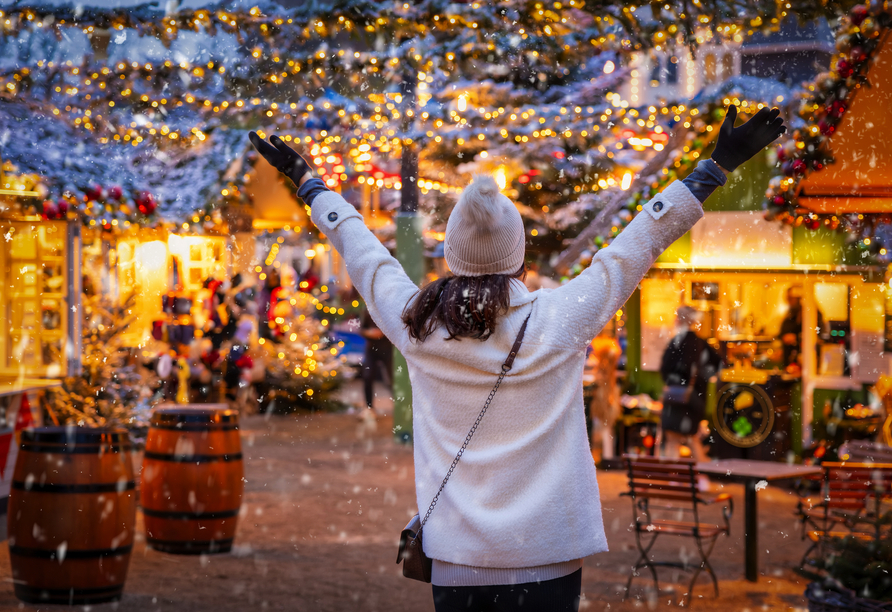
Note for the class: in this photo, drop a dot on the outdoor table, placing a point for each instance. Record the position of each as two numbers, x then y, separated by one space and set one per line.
750 473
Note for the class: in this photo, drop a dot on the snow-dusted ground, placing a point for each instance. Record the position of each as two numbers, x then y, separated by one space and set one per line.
326 498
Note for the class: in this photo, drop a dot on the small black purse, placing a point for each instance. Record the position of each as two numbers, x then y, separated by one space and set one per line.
417 565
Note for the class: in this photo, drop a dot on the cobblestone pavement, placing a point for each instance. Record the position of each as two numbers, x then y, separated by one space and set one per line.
325 499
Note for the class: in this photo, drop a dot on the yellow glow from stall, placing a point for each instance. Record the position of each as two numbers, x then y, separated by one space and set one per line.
501 177
150 275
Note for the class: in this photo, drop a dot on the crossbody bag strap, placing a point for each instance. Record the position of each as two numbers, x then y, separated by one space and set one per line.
506 367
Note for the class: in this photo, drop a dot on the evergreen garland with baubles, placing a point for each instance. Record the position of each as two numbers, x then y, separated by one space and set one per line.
823 108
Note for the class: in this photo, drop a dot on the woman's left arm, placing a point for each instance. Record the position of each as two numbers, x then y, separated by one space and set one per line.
578 310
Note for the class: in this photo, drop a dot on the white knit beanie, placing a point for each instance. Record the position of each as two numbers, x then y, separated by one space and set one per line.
484 234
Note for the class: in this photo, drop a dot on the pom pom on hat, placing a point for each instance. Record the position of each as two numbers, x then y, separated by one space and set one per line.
481 201
484 234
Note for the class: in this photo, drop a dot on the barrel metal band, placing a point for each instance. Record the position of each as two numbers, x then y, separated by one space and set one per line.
80 449
208 427
41 595
190 516
192 458
190 546
104 487
43 553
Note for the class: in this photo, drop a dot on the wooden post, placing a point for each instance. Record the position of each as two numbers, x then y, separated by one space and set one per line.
410 254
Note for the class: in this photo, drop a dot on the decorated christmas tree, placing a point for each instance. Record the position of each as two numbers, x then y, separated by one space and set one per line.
113 389
304 369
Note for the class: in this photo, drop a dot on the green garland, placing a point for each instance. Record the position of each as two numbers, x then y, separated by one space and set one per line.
822 108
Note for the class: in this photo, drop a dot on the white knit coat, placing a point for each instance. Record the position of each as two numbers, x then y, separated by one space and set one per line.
525 492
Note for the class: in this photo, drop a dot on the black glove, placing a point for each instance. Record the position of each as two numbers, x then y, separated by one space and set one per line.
281 157
736 145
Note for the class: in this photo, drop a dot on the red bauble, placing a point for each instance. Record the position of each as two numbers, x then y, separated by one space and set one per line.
779 200
814 224
799 167
93 193
115 192
145 202
858 54
816 165
50 211
844 68
826 128
837 109
62 207
781 156
858 14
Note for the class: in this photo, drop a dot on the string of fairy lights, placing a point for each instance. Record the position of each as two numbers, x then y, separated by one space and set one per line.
540 26
606 23
126 102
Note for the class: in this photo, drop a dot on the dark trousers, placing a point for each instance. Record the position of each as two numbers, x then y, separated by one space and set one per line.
558 595
377 362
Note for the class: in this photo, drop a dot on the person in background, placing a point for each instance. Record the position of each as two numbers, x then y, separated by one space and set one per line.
688 363
377 361
269 296
791 329
604 406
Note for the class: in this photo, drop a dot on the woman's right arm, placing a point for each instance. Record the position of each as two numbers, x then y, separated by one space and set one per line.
578 310
376 274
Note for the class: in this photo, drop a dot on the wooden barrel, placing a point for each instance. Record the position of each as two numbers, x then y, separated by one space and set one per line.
72 515
192 480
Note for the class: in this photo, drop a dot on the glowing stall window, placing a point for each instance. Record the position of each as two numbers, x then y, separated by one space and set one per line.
33 297
198 258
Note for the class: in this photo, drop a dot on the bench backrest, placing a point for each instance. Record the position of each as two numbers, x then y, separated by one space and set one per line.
853 488
672 481
865 451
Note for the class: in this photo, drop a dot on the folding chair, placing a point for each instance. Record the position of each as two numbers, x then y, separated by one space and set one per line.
664 488
853 495
810 510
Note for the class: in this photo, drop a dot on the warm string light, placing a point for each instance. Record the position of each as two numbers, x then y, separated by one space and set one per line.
473 127
549 119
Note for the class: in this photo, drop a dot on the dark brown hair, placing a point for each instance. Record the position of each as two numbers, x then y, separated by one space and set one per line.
467 306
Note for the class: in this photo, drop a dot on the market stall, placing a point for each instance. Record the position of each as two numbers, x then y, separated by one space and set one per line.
40 298
786 356
796 309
